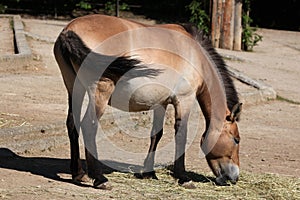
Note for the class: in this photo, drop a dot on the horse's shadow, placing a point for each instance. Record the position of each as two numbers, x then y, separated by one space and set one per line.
51 168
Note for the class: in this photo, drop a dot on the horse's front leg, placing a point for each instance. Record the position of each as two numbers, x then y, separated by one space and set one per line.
181 121
156 134
180 144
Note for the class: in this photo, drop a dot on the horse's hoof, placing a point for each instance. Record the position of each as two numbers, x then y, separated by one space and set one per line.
188 185
81 178
183 179
103 186
146 175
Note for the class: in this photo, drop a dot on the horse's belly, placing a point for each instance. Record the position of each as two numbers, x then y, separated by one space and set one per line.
143 93
139 94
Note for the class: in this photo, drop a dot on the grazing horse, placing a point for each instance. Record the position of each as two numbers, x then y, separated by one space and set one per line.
136 67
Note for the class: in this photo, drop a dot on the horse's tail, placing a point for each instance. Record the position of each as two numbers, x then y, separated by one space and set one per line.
73 47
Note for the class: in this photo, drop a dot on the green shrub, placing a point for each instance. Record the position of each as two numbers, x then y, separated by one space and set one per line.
199 16
110 7
2 8
249 36
84 5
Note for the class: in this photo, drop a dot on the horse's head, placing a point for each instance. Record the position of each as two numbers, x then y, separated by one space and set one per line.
223 159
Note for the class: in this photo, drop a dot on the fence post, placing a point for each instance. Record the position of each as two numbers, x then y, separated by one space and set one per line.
227 26
117 8
217 13
237 40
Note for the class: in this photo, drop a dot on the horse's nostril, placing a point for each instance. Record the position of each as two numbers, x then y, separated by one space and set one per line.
233 181
221 181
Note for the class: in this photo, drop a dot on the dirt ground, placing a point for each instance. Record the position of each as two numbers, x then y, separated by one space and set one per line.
35 95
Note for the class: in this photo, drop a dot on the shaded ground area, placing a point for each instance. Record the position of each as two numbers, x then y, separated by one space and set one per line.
36 95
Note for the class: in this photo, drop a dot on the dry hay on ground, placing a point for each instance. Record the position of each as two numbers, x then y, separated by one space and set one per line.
250 186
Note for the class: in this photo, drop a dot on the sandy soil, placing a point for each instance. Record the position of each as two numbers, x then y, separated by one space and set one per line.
270 131
7 44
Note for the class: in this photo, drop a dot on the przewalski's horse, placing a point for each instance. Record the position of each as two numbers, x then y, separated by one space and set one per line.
136 67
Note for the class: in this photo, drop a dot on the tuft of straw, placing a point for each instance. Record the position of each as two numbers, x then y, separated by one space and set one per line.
250 186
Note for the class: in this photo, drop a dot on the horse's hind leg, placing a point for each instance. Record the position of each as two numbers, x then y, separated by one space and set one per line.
99 95
156 134
78 174
73 118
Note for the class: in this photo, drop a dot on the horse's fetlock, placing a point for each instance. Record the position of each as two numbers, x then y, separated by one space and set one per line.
102 183
177 124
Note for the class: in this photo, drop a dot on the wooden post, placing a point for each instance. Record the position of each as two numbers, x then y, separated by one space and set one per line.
237 40
214 22
55 9
217 13
227 26
117 8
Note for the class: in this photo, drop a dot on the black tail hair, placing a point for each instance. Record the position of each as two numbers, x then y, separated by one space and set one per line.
74 48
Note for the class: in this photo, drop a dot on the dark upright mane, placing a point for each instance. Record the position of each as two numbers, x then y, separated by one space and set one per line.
205 42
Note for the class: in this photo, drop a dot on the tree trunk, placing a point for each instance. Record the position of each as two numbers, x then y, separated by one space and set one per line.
117 8
217 13
227 26
213 22
237 41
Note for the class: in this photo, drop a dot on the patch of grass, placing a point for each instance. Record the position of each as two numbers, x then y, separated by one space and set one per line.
250 186
280 98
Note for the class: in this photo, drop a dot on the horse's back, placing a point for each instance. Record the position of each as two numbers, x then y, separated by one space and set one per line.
93 29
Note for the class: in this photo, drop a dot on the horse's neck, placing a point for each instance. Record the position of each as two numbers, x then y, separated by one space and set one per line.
213 107
205 104
212 101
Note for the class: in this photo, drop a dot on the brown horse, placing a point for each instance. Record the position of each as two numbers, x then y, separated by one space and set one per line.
136 67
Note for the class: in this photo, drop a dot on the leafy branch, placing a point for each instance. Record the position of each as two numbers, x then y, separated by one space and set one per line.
199 16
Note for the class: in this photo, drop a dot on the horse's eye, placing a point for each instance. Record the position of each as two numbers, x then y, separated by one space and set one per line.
236 140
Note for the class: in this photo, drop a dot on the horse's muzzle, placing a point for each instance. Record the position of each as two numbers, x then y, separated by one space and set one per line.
229 173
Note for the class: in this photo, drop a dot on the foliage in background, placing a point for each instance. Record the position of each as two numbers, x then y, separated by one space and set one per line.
199 16
249 36
283 16
84 5
110 7
2 9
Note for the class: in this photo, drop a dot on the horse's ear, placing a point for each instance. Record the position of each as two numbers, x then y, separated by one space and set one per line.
235 112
